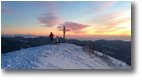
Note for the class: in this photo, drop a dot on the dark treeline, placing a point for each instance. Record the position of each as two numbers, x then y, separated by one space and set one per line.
116 48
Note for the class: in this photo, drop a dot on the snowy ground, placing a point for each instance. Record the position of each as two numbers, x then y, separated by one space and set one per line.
64 56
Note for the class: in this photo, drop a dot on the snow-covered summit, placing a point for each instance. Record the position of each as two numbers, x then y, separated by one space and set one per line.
63 56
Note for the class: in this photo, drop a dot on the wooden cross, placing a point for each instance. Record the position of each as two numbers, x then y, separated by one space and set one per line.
64 31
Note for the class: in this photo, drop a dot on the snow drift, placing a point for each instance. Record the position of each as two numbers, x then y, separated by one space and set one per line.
63 56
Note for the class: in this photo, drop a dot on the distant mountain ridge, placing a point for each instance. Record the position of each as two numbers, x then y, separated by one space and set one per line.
20 35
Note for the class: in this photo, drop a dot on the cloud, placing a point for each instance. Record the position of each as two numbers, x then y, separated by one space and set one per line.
111 22
50 20
6 10
106 5
102 6
50 6
74 27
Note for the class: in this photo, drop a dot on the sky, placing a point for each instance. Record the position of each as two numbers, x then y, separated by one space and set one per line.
83 19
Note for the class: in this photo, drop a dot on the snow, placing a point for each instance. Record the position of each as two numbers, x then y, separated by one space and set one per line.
63 56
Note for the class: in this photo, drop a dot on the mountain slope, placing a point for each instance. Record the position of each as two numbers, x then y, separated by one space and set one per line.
64 56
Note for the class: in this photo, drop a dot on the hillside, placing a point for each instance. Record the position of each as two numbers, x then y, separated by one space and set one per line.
64 56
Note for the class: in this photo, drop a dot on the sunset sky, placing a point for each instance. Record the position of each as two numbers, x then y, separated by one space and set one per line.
84 20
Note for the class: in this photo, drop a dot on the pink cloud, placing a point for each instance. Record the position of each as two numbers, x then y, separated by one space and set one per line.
106 5
102 6
50 20
74 27
6 10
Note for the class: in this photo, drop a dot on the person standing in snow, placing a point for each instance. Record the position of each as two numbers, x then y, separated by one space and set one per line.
51 37
57 40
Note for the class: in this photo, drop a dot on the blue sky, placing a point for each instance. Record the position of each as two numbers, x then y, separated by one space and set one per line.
22 17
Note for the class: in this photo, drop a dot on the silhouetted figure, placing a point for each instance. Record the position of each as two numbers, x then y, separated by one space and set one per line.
51 37
57 40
